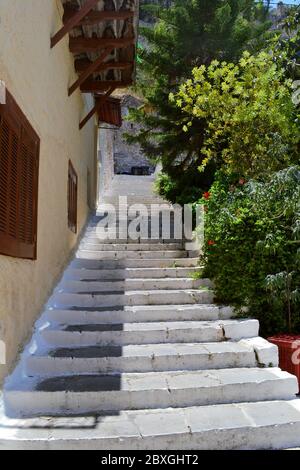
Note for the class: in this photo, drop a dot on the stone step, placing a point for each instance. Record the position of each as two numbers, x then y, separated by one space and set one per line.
120 227
254 426
126 255
94 237
153 229
124 203
147 212
82 394
73 286
142 358
143 313
117 205
123 236
129 273
124 298
115 238
132 200
124 334
134 263
135 247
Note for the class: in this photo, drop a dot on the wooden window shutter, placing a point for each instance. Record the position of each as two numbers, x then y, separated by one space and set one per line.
72 198
19 159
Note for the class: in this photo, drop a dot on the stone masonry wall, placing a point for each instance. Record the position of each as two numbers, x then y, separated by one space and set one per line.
127 156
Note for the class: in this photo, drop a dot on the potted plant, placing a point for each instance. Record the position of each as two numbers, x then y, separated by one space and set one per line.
289 353
281 285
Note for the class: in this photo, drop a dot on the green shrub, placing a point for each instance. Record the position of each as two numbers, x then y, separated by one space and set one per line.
184 187
247 113
252 246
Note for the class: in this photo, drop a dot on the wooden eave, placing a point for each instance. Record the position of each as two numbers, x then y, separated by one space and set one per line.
102 38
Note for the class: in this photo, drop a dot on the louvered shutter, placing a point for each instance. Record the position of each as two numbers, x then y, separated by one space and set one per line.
19 155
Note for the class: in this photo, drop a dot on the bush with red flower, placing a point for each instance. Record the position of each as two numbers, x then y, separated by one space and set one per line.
252 247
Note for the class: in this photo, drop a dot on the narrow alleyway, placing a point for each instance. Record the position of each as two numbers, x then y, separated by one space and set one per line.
131 352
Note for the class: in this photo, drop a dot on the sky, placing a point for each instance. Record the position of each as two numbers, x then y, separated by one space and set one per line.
289 2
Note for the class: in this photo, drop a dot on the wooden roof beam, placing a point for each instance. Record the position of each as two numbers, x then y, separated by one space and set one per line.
93 86
96 107
82 64
81 44
73 21
94 17
90 69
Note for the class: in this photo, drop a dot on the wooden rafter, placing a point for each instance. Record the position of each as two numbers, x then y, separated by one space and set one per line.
73 21
94 17
94 86
79 45
89 70
82 64
96 107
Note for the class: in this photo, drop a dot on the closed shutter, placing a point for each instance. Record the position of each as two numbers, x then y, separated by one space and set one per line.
72 198
110 112
19 157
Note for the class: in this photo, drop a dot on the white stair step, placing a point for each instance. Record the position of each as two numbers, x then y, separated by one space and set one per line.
82 394
121 231
156 214
151 214
143 313
129 273
126 255
106 334
130 247
70 286
134 263
146 297
95 238
141 358
260 425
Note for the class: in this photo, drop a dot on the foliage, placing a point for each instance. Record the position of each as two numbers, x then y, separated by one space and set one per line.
252 246
185 188
187 34
286 44
247 112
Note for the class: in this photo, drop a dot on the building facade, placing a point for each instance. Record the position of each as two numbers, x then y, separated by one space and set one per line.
35 78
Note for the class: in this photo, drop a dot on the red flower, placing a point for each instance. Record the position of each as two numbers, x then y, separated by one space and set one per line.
242 181
211 242
206 195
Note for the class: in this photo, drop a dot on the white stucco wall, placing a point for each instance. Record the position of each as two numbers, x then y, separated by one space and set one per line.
38 78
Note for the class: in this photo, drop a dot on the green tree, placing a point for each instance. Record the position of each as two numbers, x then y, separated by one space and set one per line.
186 35
286 45
246 109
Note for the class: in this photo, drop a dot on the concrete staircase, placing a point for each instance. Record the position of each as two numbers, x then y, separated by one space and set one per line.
132 353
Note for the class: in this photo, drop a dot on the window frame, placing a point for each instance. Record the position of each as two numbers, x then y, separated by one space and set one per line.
18 237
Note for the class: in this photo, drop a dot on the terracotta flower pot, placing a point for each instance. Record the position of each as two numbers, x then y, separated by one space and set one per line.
289 353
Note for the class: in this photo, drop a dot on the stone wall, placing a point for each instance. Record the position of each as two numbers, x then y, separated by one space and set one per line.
127 156
144 16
